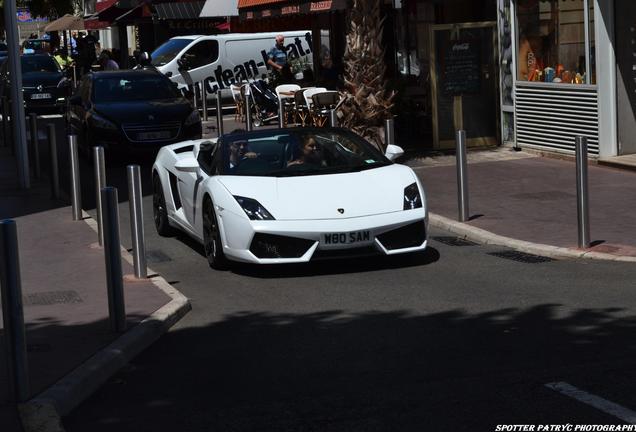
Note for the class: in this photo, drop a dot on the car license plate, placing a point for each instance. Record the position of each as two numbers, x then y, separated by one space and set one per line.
41 96
343 239
147 136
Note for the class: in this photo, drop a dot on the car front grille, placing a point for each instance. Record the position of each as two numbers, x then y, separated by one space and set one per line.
276 246
152 132
411 235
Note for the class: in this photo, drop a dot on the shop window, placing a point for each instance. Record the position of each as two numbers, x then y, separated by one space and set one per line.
551 41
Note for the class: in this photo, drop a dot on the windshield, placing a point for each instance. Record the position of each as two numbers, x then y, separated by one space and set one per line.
168 51
132 88
296 153
38 64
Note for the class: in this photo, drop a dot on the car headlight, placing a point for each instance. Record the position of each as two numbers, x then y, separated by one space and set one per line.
101 123
193 118
253 209
412 197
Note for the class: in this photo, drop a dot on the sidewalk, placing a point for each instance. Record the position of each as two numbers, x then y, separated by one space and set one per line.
525 197
71 349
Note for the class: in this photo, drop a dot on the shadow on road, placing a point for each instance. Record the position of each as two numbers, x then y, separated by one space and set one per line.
368 371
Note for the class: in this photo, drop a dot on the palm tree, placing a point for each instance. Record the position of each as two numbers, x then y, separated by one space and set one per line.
367 101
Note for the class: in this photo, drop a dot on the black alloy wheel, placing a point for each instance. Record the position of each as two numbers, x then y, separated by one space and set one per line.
212 238
159 211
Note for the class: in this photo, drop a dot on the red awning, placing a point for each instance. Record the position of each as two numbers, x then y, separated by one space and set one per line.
100 5
252 3
223 26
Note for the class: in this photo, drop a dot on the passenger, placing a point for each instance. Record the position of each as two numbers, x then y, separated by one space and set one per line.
311 153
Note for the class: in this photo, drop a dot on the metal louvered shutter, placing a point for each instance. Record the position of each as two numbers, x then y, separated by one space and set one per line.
550 116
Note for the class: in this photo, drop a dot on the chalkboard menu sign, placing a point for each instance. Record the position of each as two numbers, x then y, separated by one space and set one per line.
461 67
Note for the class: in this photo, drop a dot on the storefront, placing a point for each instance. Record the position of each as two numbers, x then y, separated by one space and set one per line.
568 69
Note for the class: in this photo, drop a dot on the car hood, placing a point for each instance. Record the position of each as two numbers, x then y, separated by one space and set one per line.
363 193
47 79
150 112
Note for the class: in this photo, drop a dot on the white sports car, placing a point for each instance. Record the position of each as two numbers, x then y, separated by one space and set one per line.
289 195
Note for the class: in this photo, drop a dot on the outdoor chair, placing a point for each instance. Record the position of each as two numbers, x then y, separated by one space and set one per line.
238 102
309 101
301 110
286 101
323 103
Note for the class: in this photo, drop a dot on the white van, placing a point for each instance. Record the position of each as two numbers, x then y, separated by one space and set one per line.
225 59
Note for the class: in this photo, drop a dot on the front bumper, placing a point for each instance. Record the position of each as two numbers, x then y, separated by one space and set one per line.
281 242
118 141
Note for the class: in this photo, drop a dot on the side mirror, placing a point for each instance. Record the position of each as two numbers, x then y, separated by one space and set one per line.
188 164
75 100
393 152
169 74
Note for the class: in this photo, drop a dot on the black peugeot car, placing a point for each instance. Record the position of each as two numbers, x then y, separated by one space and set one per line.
43 84
130 110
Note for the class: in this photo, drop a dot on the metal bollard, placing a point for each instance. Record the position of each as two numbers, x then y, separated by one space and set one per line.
204 101
582 195
5 138
112 255
219 112
389 131
281 113
137 221
12 312
462 177
55 172
248 110
100 183
74 76
195 102
33 121
76 191
6 123
333 118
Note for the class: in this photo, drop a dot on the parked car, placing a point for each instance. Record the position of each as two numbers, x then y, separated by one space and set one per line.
131 110
44 86
289 195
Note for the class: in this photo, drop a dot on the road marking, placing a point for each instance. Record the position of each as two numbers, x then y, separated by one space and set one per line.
597 402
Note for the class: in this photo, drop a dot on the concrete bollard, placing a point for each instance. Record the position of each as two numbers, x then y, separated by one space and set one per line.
12 312
112 256
135 198
462 177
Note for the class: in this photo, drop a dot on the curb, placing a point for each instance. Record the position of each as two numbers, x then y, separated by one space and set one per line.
43 412
479 235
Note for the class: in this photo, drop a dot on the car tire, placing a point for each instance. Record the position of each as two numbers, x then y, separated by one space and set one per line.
212 238
159 210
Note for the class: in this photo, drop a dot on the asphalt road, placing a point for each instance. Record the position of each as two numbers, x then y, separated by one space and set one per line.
454 339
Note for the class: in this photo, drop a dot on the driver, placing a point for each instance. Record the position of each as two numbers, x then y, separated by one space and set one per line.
239 151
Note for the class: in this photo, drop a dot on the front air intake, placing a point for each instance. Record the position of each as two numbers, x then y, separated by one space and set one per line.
276 246
411 235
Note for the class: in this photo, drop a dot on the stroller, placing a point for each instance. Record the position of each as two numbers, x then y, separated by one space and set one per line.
264 103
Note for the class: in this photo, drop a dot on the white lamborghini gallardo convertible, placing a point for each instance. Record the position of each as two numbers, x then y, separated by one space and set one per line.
289 195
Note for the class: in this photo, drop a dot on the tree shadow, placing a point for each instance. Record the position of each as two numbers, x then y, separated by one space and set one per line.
367 371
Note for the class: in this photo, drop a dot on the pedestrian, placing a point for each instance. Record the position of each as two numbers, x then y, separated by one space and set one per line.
277 59
106 61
